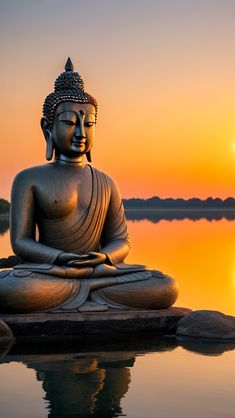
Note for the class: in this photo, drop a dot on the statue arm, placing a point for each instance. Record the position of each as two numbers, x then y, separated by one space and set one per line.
115 240
23 223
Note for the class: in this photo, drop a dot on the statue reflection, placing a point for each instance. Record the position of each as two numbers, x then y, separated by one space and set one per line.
81 385
84 386
92 384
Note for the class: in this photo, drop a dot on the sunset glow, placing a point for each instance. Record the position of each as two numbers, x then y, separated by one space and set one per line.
165 89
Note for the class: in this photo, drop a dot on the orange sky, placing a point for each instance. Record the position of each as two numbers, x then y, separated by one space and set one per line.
163 73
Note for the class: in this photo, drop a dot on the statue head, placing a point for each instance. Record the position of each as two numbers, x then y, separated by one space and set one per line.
69 116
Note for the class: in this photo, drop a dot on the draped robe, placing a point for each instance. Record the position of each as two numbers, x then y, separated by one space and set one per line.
44 286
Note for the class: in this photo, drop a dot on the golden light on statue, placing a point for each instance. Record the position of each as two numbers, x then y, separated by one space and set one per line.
77 262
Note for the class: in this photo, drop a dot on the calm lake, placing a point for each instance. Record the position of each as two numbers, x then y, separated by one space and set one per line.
146 378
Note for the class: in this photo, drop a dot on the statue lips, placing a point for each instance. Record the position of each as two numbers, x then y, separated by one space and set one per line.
79 143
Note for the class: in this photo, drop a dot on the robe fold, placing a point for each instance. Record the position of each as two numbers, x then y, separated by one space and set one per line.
44 286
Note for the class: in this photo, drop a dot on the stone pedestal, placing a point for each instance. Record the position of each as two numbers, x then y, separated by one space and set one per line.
110 323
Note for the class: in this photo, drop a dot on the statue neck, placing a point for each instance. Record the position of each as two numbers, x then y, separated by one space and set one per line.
78 161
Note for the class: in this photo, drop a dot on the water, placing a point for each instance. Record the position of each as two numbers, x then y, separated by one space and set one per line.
166 380
144 378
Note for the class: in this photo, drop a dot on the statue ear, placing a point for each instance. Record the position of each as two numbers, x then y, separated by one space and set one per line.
47 135
45 127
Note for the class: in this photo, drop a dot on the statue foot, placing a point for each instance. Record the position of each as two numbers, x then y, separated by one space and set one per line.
90 306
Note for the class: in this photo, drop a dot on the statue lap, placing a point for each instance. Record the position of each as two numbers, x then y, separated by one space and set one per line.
25 292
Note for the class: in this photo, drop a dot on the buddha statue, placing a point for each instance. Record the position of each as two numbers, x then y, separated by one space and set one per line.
68 227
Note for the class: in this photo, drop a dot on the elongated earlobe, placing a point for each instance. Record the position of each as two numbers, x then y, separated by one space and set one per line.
47 135
49 148
88 156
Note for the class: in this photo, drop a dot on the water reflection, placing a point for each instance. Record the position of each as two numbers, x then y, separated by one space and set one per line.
82 383
170 215
206 347
156 215
199 255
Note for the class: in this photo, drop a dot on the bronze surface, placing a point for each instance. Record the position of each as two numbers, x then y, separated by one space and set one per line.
78 258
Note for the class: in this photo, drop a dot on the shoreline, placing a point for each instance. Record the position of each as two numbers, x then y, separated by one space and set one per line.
145 209
180 209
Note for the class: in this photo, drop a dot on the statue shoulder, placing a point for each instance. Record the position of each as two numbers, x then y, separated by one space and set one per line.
110 181
28 176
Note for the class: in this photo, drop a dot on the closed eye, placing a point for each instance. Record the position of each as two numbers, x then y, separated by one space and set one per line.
68 122
89 124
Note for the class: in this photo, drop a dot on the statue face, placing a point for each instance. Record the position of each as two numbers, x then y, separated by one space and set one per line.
73 128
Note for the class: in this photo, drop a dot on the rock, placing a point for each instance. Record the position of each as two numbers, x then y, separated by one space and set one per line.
5 332
207 324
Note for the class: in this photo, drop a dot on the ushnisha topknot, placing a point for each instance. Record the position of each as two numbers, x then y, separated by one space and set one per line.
68 87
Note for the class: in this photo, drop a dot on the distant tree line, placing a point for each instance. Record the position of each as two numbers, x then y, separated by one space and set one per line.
158 203
4 206
169 203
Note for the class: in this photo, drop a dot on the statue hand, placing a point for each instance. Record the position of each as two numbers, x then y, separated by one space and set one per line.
88 260
64 258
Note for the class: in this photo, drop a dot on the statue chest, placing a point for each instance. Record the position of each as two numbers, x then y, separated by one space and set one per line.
60 199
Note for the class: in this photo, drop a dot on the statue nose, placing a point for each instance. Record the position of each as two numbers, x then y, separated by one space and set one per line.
80 132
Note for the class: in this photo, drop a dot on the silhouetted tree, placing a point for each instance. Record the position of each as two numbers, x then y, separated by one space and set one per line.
4 206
